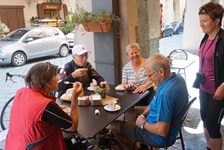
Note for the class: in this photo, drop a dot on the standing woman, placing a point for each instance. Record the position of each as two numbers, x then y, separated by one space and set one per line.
211 66
35 119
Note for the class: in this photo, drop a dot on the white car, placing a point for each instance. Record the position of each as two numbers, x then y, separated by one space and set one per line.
28 43
70 38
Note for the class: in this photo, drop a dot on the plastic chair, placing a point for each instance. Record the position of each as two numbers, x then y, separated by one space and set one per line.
179 120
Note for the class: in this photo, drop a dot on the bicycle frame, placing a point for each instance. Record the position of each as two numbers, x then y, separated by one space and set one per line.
8 76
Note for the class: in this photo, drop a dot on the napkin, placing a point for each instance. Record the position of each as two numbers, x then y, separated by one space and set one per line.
68 95
120 87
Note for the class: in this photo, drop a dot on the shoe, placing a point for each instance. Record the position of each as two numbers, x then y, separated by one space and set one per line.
106 131
143 147
104 143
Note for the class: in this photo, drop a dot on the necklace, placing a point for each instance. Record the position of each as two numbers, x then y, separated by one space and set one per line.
203 56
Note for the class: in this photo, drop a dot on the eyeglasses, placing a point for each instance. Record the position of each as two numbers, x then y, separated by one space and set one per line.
152 73
48 66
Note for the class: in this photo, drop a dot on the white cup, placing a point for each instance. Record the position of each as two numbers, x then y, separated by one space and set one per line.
93 85
111 104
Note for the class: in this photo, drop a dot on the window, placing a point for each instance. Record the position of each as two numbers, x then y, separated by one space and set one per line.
15 36
36 34
49 32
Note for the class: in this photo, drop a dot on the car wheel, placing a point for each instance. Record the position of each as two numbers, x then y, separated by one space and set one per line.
18 59
63 51
164 34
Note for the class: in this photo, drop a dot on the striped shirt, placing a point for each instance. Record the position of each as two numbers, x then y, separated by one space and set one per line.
130 76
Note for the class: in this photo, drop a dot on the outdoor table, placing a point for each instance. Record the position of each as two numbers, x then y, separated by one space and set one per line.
91 124
181 64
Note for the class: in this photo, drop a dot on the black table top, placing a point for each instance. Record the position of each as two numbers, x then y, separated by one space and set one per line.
90 124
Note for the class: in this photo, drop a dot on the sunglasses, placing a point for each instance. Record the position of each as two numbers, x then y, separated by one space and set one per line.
203 11
48 66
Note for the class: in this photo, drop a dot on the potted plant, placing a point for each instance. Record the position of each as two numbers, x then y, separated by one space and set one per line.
92 22
103 90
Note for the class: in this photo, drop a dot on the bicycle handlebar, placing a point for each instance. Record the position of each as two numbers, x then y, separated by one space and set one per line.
9 76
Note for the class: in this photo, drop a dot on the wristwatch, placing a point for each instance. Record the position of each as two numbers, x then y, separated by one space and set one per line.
142 125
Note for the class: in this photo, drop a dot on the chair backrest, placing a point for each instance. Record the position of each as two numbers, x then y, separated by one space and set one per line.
178 54
180 118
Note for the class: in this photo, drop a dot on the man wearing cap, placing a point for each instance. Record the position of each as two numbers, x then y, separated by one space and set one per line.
79 69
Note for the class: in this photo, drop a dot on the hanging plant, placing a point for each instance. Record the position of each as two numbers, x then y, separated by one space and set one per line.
91 21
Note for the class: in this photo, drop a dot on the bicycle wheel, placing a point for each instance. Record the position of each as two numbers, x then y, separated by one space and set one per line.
5 114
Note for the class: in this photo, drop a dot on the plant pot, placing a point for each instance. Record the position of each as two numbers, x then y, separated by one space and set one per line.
98 26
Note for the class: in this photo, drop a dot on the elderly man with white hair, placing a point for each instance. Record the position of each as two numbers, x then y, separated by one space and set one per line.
79 69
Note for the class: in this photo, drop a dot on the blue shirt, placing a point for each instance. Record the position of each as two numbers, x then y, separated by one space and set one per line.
171 97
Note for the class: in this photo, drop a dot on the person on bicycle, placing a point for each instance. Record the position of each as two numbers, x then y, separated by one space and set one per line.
79 69
35 118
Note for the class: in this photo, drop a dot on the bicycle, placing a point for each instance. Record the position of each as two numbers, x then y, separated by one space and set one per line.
4 121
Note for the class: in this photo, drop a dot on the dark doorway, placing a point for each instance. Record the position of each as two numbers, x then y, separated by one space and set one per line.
12 16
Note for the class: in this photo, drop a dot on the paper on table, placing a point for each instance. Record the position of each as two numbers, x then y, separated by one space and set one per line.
119 87
65 109
108 98
68 95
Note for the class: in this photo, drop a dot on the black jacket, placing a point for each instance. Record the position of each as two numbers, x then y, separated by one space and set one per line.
72 66
218 58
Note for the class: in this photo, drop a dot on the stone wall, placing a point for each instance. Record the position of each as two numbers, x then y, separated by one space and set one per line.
148 28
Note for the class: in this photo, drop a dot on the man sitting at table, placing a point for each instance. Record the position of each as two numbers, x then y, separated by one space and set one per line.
153 124
78 69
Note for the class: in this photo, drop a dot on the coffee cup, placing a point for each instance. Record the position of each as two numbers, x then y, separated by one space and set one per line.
111 104
93 85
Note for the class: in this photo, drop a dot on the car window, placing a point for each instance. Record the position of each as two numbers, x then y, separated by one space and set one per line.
49 32
56 32
169 26
15 36
35 34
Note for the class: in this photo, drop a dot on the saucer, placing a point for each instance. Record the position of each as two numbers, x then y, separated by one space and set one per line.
117 107
90 88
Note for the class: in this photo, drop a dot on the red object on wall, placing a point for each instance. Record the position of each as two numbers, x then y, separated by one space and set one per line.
161 12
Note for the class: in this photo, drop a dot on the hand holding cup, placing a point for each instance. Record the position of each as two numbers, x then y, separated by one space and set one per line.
77 89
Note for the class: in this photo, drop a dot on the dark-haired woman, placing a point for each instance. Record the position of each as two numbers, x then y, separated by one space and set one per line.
35 119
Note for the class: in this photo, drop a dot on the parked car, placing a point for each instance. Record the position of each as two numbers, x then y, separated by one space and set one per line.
28 43
167 30
178 27
70 37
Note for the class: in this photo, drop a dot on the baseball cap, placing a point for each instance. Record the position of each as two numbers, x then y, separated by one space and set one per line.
79 49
